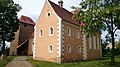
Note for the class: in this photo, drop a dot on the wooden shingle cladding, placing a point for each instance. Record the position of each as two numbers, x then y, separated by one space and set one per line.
22 44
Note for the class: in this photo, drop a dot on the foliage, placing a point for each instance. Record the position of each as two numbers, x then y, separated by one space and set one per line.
118 44
105 51
98 15
9 22
96 63
117 52
8 18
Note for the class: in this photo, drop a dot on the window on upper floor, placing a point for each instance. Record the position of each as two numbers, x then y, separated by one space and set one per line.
94 37
48 14
51 31
90 41
41 32
68 48
98 41
77 33
68 31
79 49
50 48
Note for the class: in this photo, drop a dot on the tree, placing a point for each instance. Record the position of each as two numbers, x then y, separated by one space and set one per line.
9 22
98 15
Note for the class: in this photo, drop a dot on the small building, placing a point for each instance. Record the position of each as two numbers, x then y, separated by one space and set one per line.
58 38
22 44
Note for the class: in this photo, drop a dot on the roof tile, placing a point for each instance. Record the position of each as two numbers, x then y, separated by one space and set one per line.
25 19
63 13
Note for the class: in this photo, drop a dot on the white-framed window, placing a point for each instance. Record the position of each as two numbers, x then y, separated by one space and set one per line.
90 42
41 32
77 33
51 31
50 48
68 48
79 49
98 41
68 31
94 37
48 14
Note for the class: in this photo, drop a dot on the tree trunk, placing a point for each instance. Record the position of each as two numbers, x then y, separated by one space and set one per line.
113 49
3 50
3 47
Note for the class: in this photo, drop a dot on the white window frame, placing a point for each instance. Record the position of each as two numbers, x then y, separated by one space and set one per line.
50 31
40 32
69 48
94 37
48 13
79 49
49 48
77 34
98 41
69 31
90 42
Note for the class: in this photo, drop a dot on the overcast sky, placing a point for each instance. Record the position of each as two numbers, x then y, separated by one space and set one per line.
32 8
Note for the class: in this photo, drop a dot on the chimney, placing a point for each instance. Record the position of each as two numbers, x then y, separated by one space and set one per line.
60 3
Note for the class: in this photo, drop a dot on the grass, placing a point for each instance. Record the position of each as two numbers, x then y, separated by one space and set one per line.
6 60
96 63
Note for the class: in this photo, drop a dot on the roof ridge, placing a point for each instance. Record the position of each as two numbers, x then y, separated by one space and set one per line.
59 6
26 19
63 13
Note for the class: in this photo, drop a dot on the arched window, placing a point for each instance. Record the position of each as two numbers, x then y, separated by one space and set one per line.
79 49
68 48
90 41
41 32
48 14
50 48
94 37
68 31
77 33
51 31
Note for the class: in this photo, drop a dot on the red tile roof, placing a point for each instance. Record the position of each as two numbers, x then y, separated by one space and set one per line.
63 13
28 20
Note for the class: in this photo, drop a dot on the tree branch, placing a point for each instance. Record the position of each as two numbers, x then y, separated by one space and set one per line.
108 26
115 30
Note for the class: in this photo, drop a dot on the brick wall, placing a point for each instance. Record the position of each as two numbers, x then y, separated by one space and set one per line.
41 51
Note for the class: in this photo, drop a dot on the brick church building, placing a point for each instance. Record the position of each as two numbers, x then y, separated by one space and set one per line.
58 38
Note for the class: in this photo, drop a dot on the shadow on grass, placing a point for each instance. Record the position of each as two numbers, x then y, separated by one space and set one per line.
107 63
104 62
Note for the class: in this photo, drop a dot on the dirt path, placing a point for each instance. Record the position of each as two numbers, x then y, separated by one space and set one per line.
19 62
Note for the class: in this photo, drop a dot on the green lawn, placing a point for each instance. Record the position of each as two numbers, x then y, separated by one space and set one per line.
96 63
6 61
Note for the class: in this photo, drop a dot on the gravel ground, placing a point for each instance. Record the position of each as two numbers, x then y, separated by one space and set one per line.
19 62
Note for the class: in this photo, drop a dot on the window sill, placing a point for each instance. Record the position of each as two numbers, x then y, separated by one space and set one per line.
40 36
51 35
68 35
50 51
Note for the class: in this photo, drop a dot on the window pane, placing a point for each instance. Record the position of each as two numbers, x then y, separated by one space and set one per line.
68 31
69 49
50 47
41 32
51 30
